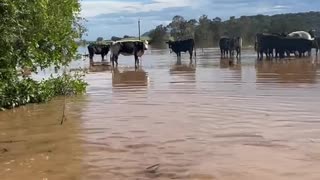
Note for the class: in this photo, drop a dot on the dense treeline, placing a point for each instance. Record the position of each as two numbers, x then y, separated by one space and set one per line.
36 35
207 32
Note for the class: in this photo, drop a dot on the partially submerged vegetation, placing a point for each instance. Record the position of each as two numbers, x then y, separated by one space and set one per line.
38 34
24 91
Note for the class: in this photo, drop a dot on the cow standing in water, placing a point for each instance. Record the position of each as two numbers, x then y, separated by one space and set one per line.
238 45
182 46
229 45
316 44
128 48
101 49
224 44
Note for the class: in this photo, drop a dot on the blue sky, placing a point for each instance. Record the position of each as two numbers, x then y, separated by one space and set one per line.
108 18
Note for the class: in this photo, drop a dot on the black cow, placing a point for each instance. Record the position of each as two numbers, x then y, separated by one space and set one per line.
229 45
236 45
182 46
266 43
128 48
101 49
316 44
225 44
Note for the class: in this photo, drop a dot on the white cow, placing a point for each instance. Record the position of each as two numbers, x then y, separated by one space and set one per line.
301 34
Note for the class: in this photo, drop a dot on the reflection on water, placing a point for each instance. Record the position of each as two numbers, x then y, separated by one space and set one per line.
126 78
200 120
180 67
230 62
287 71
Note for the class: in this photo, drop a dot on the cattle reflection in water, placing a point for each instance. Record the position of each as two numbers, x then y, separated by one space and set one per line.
183 68
99 67
183 72
229 62
127 78
290 71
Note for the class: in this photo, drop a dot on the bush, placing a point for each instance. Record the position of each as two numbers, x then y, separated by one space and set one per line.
21 92
38 34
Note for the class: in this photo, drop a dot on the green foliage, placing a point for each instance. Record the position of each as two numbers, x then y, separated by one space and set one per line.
37 33
159 35
207 32
21 92
181 28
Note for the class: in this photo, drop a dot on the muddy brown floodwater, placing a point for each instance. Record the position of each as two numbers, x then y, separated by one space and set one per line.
203 120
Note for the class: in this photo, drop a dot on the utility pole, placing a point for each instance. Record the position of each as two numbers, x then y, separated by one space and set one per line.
139 29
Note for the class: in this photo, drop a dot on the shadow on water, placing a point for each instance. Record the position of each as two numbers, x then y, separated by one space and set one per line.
287 71
130 78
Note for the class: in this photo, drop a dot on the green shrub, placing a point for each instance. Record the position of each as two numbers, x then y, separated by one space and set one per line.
21 92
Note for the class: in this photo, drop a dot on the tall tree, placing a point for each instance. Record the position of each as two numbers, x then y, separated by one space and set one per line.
159 35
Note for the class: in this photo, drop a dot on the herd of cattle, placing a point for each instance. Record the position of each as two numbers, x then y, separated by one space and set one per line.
125 48
272 45
280 45
136 48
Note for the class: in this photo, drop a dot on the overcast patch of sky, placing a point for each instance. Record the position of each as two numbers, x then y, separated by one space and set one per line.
108 18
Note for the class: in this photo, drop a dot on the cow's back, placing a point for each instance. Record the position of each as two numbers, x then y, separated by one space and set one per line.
182 46
224 43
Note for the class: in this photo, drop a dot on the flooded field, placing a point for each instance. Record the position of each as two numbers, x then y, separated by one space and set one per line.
208 119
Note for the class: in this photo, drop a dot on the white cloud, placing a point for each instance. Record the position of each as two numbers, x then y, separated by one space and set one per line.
95 7
280 7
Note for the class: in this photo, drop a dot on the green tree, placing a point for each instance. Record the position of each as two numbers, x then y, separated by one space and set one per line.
35 33
207 32
159 35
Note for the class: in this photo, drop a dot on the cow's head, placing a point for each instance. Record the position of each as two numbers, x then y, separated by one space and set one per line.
145 45
170 43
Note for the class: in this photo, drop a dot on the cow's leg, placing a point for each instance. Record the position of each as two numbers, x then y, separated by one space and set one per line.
116 59
136 60
317 50
102 57
261 54
191 53
112 60
238 52
91 58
